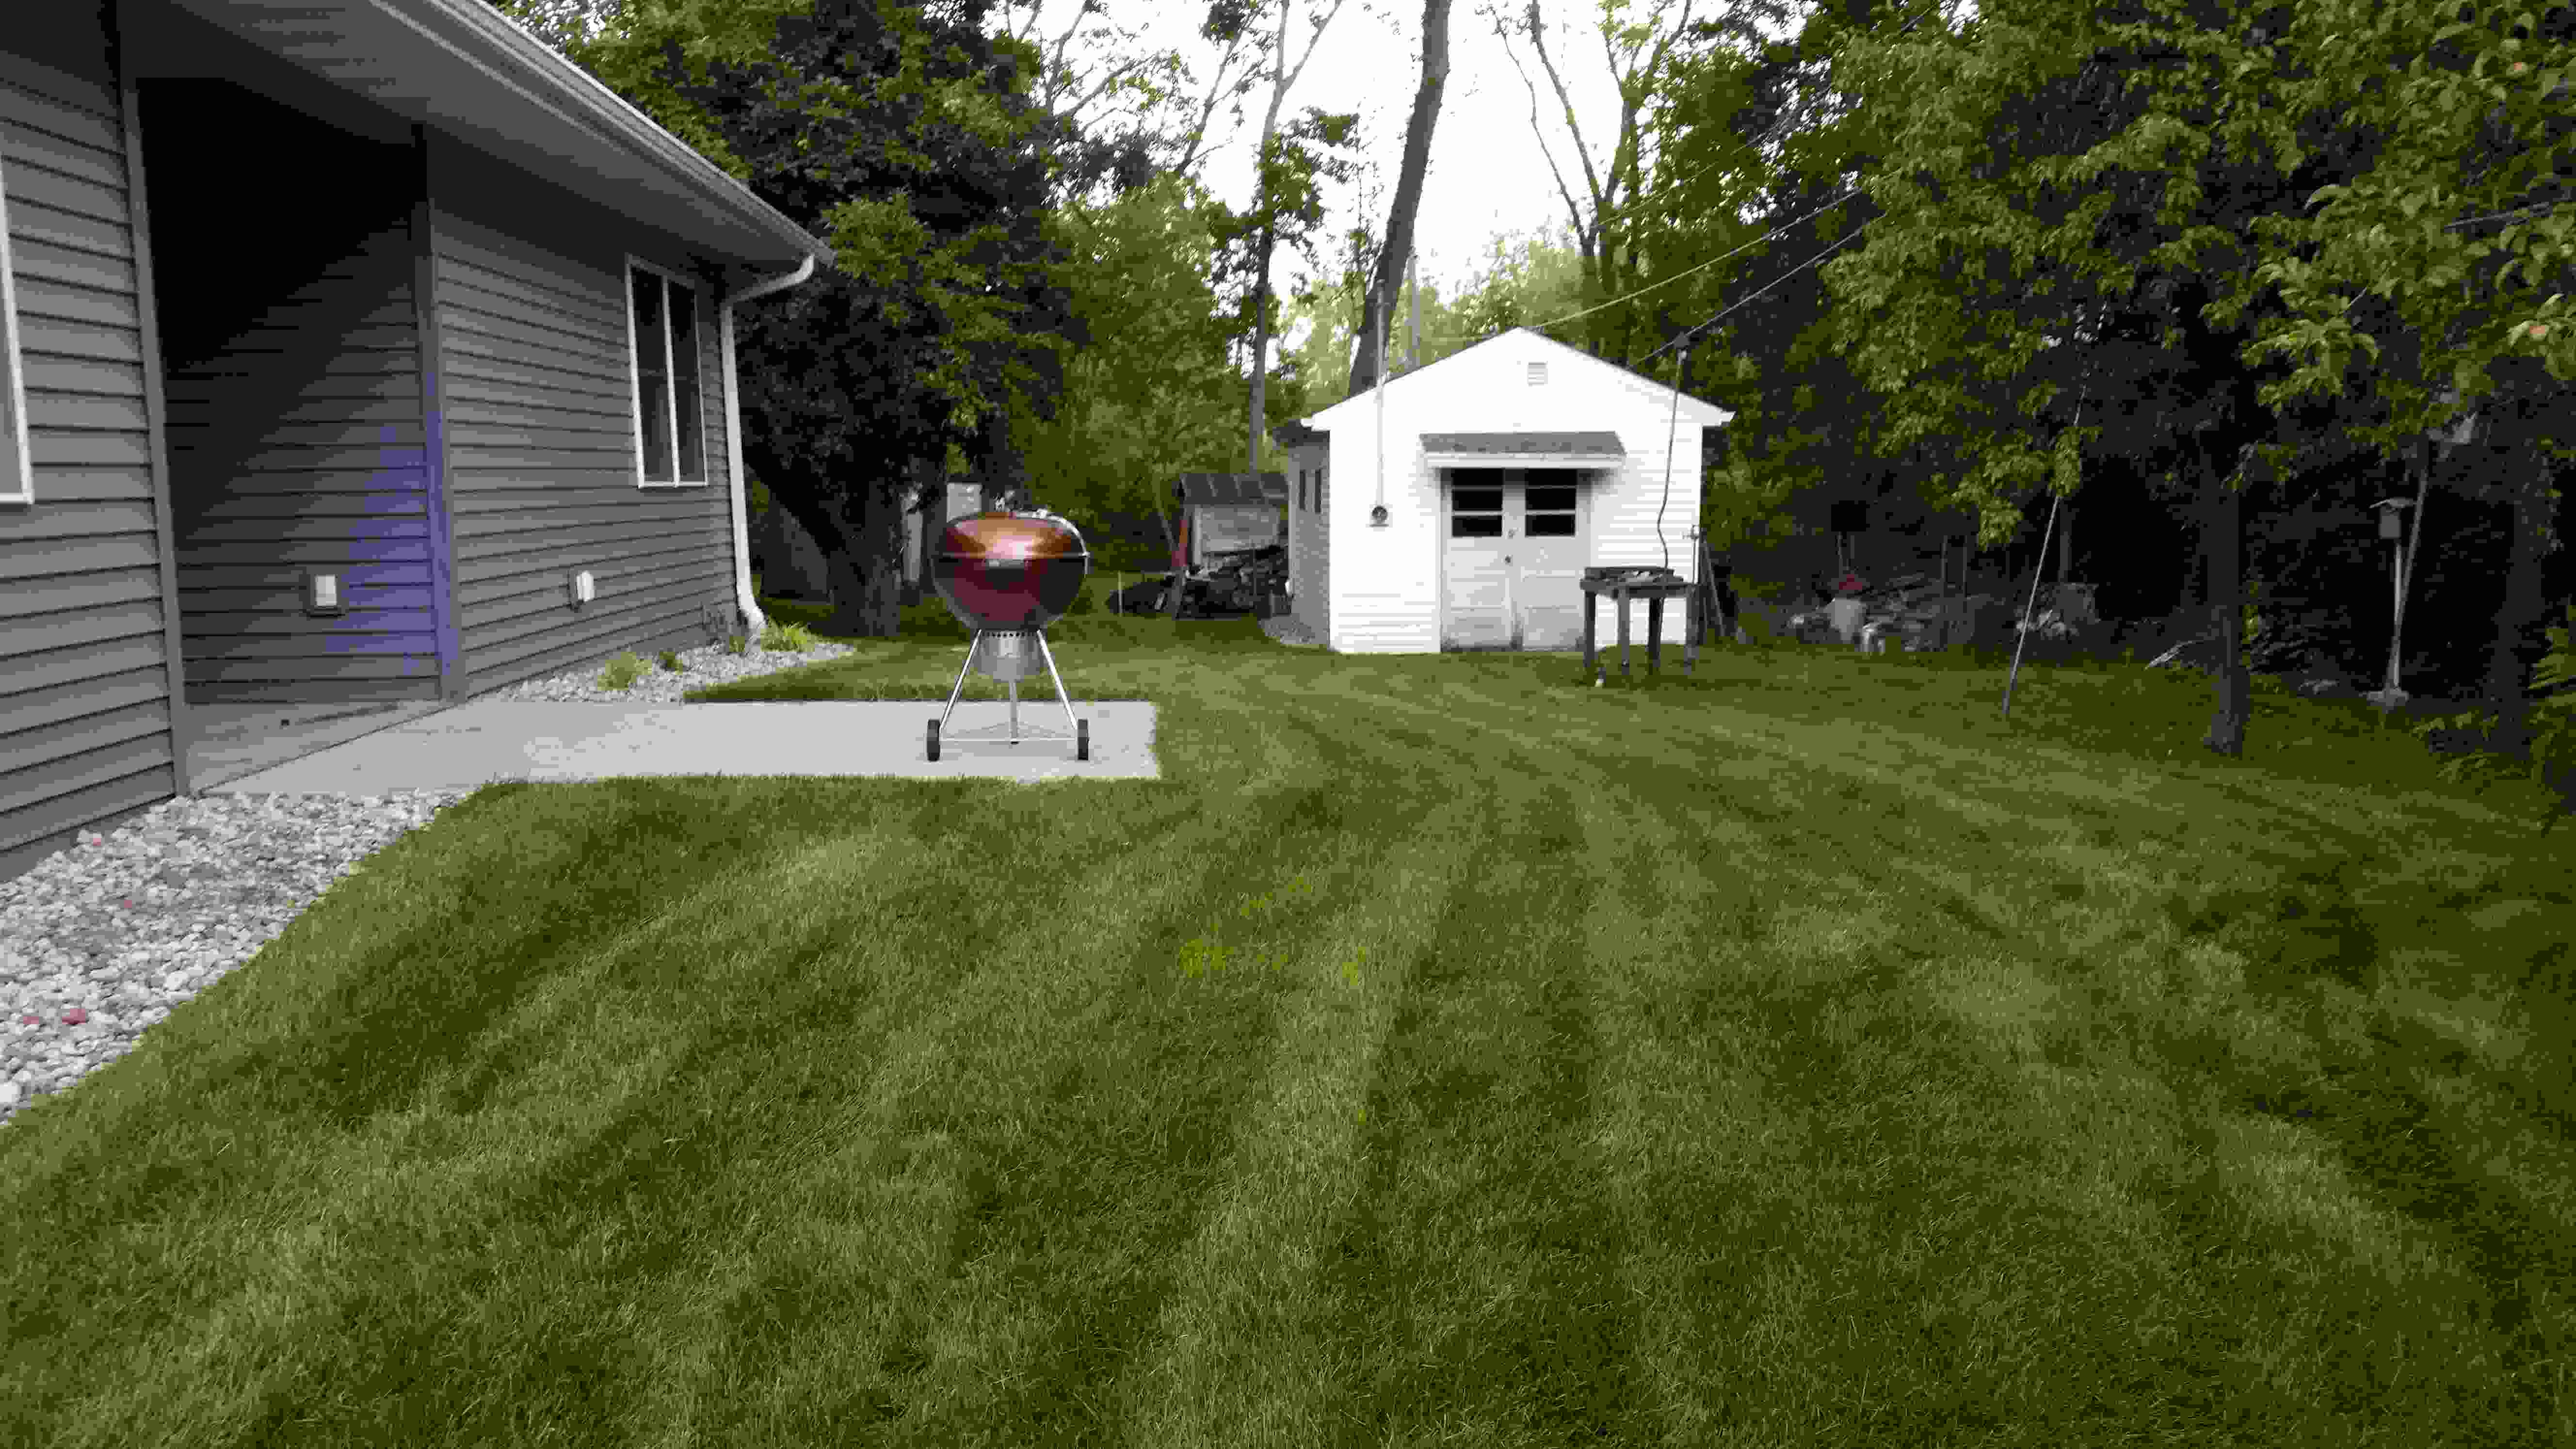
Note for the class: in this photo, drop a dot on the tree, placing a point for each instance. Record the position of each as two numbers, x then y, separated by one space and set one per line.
2458 227
2070 200
1754 185
1275 179
908 140
1153 80
1392 258
1156 391
1603 228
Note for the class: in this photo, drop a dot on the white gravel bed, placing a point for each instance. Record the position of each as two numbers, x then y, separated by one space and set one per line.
100 941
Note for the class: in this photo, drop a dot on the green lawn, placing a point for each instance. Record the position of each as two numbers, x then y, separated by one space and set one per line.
1443 1052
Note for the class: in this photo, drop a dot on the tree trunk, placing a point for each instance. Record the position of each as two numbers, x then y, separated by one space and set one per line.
1180 571
2226 549
862 541
1260 357
1386 284
2507 680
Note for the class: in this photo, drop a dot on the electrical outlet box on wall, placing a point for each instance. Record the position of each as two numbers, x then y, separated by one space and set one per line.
323 594
580 588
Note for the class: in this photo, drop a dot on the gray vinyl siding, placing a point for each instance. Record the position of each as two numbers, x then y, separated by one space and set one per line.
540 419
86 673
299 447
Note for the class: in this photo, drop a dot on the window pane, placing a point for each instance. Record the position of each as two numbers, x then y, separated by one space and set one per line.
1475 525
1476 500
684 384
1551 525
657 430
1551 499
652 385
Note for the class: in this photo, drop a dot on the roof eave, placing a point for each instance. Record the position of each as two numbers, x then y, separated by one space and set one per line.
510 47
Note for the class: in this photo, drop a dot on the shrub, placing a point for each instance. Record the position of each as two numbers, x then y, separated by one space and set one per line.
671 662
621 672
789 638
737 644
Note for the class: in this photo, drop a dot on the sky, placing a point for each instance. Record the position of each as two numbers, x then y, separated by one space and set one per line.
1488 176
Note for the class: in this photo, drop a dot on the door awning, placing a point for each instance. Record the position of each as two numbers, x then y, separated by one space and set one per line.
1523 450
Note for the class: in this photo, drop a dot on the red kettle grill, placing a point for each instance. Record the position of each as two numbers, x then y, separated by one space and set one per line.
1006 575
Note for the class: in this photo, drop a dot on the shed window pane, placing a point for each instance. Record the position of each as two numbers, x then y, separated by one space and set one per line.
1551 500
688 398
1475 525
1476 500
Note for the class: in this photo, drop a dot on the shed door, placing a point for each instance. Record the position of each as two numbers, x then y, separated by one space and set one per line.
1512 560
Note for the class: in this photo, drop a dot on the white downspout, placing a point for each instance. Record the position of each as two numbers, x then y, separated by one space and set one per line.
742 594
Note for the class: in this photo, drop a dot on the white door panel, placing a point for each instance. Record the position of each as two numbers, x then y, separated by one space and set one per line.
1513 547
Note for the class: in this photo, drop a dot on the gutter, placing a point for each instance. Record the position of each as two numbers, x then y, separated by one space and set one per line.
744 599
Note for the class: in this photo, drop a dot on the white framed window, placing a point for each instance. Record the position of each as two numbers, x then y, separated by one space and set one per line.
664 359
17 468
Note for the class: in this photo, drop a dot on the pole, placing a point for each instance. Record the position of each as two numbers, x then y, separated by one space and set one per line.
1378 518
2026 620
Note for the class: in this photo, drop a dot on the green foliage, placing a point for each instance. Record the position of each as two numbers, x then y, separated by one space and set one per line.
2469 106
622 671
1155 393
788 638
737 645
671 662
907 138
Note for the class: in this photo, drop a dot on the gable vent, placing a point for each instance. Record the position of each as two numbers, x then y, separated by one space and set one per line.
1538 374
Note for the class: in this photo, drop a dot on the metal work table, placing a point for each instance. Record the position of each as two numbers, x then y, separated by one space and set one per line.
1622 584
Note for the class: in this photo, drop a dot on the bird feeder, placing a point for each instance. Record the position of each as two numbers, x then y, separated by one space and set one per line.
2392 517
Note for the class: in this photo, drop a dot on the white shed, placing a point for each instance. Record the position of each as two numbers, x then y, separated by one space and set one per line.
1511 467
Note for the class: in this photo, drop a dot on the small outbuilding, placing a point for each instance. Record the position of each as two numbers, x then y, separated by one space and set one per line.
1465 517
1230 512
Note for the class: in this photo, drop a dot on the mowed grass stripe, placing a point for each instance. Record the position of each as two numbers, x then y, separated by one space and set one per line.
1243 1353
1015 1172
535 1186
1475 1273
325 1046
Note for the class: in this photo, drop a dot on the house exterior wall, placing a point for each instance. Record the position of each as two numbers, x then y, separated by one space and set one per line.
1385 597
294 406
540 419
88 655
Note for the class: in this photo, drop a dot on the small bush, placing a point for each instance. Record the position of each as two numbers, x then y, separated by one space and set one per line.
789 639
737 644
671 662
621 672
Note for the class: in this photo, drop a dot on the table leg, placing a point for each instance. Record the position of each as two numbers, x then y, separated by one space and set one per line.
1655 635
1690 653
1619 601
1591 617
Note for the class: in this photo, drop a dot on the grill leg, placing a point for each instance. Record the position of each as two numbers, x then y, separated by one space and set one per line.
960 687
1067 700
1015 711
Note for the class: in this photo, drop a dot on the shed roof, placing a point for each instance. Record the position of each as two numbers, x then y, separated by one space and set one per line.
471 71
1587 444
1245 489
